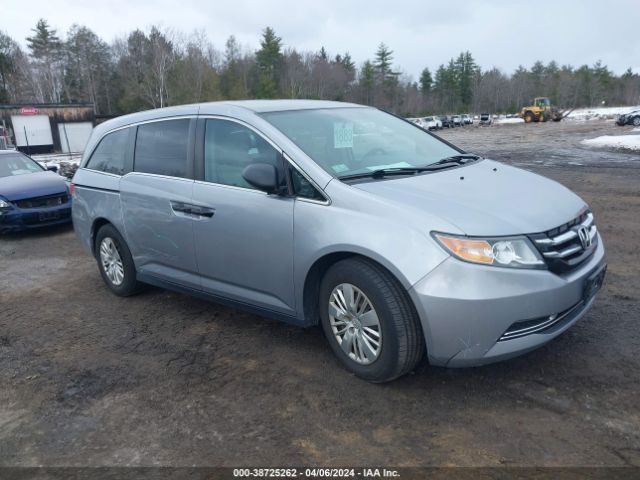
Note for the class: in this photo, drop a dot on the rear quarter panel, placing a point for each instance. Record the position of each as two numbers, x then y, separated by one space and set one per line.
97 196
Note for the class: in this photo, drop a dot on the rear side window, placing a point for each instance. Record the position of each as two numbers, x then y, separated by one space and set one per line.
109 155
161 148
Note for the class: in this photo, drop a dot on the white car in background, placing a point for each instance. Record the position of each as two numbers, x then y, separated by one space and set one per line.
432 123
467 119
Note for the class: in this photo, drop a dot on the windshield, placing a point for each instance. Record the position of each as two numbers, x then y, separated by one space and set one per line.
17 164
346 141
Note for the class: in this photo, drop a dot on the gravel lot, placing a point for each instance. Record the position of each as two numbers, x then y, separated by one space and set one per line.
87 378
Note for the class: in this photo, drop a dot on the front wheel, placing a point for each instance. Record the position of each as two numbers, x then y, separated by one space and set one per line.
636 122
115 262
369 321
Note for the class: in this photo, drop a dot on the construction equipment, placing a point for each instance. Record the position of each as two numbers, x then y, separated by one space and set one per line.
541 110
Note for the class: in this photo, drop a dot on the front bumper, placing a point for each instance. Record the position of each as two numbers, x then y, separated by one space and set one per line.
17 219
465 308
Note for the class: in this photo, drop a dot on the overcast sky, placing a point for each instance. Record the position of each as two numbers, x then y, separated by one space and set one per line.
500 33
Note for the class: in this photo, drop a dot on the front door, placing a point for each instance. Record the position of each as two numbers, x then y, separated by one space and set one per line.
244 250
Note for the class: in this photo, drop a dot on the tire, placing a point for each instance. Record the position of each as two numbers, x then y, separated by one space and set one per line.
636 121
529 117
109 241
543 117
400 340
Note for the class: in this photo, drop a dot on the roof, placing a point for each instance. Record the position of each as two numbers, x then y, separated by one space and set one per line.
261 106
234 108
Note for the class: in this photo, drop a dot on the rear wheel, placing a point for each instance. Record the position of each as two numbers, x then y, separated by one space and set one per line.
115 262
369 321
529 117
636 121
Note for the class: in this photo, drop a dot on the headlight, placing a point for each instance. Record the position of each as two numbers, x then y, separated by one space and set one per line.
4 204
513 252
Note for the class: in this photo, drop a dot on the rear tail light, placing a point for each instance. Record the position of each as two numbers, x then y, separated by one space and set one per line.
72 188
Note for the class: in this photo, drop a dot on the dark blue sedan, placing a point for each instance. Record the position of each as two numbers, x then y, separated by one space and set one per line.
30 195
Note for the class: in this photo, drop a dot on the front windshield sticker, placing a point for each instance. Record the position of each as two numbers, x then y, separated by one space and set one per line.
343 135
391 165
340 168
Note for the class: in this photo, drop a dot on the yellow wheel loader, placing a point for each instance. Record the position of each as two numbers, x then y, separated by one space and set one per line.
541 110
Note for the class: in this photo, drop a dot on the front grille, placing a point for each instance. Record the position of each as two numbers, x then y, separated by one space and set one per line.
54 216
562 247
39 202
539 325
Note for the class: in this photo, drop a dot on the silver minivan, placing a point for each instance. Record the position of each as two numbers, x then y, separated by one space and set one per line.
399 244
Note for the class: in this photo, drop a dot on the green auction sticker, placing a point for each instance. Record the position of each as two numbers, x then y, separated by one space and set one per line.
343 135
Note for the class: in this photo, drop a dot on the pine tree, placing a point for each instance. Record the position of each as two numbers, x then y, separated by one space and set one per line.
383 63
348 63
367 80
426 81
269 58
46 49
45 43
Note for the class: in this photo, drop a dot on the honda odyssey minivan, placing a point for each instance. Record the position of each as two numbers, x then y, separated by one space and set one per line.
399 244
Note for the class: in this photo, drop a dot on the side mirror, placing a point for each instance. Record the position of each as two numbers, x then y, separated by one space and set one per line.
262 176
52 168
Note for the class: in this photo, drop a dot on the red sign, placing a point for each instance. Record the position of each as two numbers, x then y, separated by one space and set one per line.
28 110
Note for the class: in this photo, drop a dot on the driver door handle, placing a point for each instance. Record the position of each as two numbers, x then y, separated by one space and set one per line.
193 210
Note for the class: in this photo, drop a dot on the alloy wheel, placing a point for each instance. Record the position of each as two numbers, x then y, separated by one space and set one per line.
355 324
111 261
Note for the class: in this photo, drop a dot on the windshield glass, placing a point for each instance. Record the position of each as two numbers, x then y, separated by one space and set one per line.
346 141
17 164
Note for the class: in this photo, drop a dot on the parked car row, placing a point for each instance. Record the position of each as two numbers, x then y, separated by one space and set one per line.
444 121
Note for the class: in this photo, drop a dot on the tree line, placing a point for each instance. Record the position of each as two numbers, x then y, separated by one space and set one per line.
162 67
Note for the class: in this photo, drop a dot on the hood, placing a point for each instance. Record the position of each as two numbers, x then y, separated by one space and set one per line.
31 185
504 201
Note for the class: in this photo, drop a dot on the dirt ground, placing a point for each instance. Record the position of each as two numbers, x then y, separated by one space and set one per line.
87 378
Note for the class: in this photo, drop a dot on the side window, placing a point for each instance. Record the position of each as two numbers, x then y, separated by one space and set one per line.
161 148
109 155
303 187
229 147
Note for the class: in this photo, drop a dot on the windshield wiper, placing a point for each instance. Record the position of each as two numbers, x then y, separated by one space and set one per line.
383 172
447 162
461 159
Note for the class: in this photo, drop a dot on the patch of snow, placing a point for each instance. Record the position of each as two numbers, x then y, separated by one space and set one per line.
502 121
55 158
67 163
637 129
627 142
600 113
